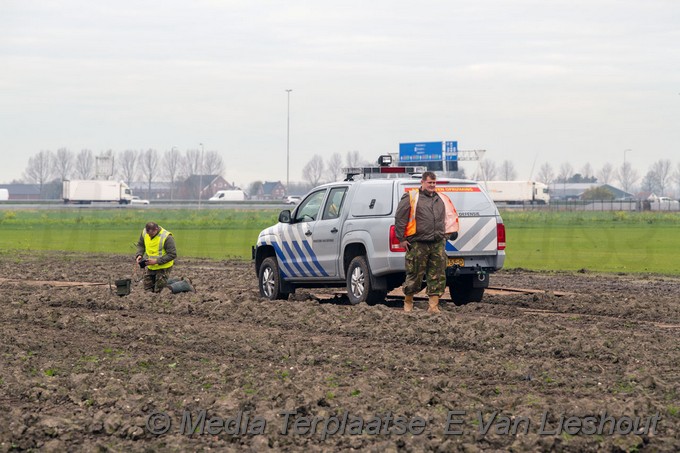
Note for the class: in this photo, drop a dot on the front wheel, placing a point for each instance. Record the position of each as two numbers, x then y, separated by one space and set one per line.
359 283
463 292
270 280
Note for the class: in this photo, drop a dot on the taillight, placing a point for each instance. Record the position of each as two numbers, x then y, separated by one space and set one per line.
394 242
500 235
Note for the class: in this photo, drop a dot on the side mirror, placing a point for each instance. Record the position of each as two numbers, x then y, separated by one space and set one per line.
284 216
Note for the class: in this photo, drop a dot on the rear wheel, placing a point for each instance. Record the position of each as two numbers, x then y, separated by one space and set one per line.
359 283
463 292
270 280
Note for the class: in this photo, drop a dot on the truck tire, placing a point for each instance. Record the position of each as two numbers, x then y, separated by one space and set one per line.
462 291
269 279
359 283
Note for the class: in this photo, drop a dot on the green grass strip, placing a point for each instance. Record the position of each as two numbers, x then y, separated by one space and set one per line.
598 241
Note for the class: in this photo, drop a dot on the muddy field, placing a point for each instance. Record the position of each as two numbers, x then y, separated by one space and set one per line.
591 363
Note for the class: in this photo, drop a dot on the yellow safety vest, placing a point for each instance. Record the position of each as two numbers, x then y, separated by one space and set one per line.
155 248
450 222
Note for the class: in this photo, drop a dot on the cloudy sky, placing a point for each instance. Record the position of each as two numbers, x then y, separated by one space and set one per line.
531 81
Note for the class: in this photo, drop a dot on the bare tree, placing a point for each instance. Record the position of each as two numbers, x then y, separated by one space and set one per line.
649 183
606 173
172 164
487 170
150 166
566 171
192 162
587 171
507 171
63 163
127 163
84 164
627 176
39 170
662 174
213 163
313 170
676 176
546 174
334 167
353 159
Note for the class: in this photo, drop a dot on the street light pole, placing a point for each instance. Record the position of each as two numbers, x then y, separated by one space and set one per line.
288 145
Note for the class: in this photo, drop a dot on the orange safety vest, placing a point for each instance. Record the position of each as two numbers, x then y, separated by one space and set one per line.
451 223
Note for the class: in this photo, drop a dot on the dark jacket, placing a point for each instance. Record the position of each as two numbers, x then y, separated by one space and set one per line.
430 218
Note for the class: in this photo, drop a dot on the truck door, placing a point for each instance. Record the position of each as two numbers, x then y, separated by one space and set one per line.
327 231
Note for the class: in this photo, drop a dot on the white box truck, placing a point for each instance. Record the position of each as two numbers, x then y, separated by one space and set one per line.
517 192
4 194
88 191
228 195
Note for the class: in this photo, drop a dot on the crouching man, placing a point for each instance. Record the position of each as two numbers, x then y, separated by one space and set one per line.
156 250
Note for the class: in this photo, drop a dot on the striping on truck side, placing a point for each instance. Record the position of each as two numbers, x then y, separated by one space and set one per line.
342 235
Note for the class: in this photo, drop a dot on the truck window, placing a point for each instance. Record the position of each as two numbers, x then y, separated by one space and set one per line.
308 210
334 203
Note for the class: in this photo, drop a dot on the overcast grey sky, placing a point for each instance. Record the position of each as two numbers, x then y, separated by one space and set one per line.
531 81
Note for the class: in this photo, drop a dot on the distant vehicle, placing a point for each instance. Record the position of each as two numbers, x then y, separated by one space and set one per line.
4 194
517 192
136 200
88 191
293 199
229 195
664 204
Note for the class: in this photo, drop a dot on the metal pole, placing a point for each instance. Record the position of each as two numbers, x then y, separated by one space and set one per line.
288 146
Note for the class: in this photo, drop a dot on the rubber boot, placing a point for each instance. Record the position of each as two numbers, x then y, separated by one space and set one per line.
434 304
408 303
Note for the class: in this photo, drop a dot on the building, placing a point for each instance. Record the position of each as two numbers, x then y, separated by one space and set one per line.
574 191
270 190
205 185
21 191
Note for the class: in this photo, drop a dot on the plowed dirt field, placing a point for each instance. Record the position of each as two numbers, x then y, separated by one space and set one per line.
587 363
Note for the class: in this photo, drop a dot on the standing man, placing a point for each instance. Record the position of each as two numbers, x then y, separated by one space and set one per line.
424 220
158 246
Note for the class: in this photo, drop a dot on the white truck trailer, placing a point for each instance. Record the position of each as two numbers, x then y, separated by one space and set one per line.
88 191
517 192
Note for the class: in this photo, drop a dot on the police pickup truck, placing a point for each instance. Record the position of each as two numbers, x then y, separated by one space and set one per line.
342 234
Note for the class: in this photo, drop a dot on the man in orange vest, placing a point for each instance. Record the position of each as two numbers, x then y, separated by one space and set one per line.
424 220
156 252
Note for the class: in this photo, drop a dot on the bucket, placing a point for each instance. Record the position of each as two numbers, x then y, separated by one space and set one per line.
181 286
123 287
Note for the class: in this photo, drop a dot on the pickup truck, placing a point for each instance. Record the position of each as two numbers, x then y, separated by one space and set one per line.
342 235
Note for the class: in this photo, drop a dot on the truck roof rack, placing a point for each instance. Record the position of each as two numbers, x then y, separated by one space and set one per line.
381 171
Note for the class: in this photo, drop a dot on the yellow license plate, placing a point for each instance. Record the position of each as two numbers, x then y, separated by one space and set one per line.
456 262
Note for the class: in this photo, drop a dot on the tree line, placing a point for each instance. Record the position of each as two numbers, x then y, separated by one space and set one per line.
172 166
658 179
151 165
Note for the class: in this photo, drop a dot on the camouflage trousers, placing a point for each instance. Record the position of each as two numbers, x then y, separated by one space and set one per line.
156 280
426 259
